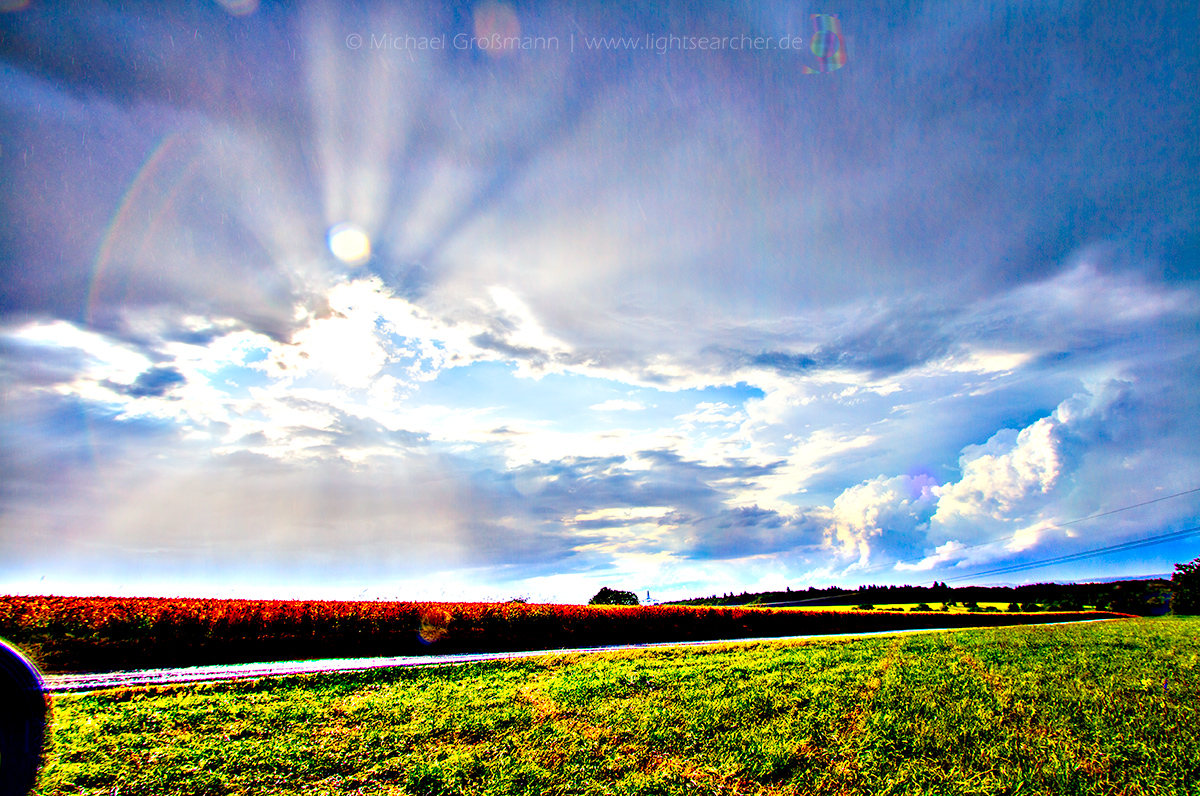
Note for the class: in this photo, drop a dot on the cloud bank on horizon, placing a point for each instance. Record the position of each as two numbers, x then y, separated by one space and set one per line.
293 304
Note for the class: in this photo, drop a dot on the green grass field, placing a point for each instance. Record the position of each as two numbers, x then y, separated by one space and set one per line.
1109 707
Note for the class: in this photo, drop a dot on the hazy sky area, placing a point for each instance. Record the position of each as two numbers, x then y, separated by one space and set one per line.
293 304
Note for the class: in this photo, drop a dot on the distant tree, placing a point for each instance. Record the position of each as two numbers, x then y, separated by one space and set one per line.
865 607
922 607
1013 608
607 596
1143 599
1185 588
1031 607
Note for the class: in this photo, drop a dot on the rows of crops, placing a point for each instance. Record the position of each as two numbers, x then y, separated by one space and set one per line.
66 634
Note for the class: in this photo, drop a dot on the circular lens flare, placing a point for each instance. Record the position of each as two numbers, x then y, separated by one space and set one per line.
349 243
496 26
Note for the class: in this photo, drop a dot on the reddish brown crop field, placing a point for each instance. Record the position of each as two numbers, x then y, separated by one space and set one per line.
75 634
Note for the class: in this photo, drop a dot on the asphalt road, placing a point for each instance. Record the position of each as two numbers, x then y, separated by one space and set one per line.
60 683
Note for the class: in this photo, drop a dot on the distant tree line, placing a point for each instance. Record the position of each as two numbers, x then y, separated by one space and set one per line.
1148 597
1185 587
1144 597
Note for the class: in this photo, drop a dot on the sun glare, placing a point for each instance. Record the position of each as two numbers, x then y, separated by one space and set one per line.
349 244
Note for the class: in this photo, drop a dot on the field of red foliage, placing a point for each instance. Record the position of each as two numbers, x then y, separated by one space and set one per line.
77 634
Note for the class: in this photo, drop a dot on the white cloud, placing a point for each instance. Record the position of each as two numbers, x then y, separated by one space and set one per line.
942 554
1003 478
368 329
899 505
107 359
818 452
983 361
617 405
619 514
708 413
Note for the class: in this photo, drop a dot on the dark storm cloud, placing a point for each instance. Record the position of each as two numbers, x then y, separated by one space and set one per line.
52 443
563 488
732 533
183 54
671 461
29 364
1050 131
90 94
1091 314
490 342
69 164
56 205
154 382
558 490
707 530
783 361
906 337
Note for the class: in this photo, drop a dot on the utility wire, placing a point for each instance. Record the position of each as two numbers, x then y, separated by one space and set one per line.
1131 545
1027 532
1125 508
1099 551
1045 562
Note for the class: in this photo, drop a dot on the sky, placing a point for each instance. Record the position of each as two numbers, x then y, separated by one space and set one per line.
496 300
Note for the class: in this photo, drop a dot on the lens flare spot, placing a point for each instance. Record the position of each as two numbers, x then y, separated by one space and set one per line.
239 8
496 27
435 624
349 243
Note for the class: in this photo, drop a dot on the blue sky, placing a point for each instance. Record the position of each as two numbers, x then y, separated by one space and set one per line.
290 309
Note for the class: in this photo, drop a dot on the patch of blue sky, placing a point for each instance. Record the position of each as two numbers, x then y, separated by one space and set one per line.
929 423
570 401
410 348
255 355
236 380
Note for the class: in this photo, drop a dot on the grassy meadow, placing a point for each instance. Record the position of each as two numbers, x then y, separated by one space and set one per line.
1098 708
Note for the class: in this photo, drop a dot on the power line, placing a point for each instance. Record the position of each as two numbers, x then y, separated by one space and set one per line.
1120 547
1071 557
1124 508
1131 545
1045 562
1029 531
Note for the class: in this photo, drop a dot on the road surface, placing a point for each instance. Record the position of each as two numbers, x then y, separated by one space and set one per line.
60 683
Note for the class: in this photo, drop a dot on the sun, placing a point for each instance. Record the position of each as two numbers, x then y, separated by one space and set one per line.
349 243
